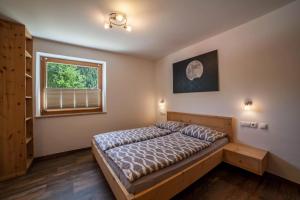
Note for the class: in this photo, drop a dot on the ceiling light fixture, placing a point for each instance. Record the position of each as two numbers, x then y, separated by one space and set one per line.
117 19
106 25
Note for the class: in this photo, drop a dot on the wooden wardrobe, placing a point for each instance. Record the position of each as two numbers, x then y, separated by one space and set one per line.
16 106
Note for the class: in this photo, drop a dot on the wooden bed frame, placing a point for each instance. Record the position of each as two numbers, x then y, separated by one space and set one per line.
169 187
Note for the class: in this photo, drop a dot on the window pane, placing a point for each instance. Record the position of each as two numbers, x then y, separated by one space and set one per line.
61 75
93 96
71 85
52 100
81 98
67 98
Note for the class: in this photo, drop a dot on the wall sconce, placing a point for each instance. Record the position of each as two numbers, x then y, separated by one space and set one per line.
162 106
248 104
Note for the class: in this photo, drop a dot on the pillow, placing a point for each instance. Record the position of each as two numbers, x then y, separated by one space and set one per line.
202 132
170 125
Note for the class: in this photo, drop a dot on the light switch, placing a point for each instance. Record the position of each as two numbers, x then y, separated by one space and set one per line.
249 124
245 124
263 125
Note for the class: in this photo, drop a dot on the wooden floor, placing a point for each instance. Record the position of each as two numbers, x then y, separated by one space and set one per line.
77 176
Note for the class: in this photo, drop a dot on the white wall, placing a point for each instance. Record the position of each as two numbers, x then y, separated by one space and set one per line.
260 60
130 101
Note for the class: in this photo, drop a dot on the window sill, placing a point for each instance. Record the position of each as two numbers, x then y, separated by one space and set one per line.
68 115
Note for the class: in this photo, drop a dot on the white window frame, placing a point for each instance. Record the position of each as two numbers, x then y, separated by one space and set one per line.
38 78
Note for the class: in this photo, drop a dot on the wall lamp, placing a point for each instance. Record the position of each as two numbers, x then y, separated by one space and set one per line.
162 106
248 104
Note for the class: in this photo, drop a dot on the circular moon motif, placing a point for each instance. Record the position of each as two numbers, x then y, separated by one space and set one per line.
194 70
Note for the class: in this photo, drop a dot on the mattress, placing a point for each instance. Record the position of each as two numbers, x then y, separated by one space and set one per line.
156 177
143 158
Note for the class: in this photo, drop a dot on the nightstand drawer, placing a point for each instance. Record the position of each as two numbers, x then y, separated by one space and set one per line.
246 157
242 161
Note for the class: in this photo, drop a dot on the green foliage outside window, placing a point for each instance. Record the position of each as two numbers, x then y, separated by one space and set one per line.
71 76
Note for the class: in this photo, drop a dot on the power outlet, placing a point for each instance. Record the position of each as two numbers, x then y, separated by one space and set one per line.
253 124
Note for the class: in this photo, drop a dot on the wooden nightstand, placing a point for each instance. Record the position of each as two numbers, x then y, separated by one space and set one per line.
245 157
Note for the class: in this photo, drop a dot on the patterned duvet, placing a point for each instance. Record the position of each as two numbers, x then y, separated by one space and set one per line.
142 158
106 141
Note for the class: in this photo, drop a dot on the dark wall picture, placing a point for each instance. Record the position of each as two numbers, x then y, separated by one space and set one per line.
197 74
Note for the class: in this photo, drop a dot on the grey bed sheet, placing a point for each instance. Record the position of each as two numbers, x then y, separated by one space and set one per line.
156 177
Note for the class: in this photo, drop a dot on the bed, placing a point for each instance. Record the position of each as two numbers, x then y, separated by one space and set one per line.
169 181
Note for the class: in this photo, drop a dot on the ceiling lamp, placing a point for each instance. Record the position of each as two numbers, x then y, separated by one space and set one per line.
117 19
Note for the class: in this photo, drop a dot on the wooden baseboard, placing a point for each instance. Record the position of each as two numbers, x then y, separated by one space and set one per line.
65 153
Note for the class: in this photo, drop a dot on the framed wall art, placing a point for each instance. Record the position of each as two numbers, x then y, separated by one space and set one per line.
197 74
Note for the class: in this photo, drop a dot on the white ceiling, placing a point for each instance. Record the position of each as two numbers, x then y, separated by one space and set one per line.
159 26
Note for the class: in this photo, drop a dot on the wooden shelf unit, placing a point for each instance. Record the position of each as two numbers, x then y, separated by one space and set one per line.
27 54
28 76
16 102
28 140
28 118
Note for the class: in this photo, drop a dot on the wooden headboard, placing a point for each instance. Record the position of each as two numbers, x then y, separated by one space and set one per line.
223 124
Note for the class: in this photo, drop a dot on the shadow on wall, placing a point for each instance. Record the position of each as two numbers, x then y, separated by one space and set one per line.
286 169
276 165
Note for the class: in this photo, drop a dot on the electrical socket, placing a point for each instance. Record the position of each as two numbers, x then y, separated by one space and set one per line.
253 124
249 124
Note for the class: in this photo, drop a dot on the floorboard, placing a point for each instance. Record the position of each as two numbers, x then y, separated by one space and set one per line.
77 176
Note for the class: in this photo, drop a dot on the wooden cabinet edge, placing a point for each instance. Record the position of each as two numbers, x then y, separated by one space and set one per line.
13 175
27 34
29 162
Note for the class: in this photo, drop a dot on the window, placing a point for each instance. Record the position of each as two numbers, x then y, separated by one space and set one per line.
69 86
